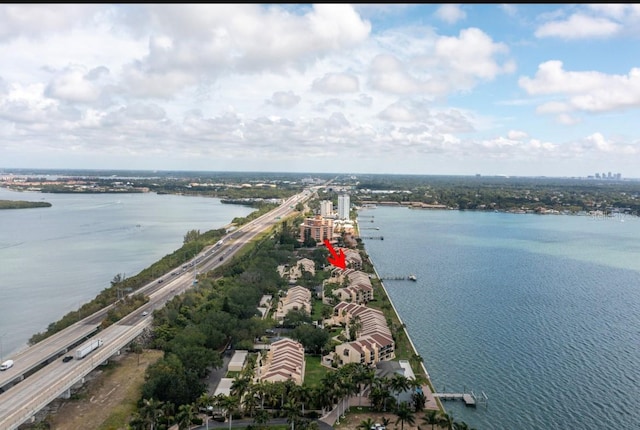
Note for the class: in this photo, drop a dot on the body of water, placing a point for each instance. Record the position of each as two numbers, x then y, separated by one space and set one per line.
542 313
52 260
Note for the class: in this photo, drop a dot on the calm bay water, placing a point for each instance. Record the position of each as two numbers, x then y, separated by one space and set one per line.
542 313
52 260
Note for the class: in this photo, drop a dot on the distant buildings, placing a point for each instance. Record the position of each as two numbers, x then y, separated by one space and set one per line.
609 175
326 209
344 206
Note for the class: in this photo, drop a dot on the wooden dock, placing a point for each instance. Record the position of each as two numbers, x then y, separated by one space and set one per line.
398 278
469 399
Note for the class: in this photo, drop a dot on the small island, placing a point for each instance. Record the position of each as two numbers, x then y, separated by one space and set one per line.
22 204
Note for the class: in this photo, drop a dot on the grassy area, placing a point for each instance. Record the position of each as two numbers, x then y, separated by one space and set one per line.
314 371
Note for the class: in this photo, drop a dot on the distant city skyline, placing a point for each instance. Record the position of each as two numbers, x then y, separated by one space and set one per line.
435 89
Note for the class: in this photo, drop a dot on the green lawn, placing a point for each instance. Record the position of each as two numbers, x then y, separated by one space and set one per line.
314 371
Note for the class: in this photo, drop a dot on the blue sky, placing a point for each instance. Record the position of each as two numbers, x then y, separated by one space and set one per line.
521 90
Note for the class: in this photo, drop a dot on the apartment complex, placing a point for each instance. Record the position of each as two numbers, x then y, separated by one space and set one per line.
359 289
317 228
284 361
297 298
374 342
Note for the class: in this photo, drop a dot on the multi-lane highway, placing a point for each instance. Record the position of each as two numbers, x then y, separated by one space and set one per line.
40 375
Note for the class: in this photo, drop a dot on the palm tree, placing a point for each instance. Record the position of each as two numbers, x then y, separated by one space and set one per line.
366 424
385 422
461 425
186 415
151 411
363 376
419 400
431 417
291 410
405 414
398 384
228 404
379 394
239 386
302 394
261 418
168 410
446 420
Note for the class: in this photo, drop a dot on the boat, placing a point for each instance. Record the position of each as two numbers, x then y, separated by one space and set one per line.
413 278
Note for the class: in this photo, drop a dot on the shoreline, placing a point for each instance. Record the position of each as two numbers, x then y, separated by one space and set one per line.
406 332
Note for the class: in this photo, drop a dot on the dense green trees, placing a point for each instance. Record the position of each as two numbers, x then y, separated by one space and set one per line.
21 204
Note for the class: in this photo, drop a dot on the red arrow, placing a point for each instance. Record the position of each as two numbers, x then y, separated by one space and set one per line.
337 259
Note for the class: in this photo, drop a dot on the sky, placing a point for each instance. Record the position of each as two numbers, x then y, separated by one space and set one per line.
442 89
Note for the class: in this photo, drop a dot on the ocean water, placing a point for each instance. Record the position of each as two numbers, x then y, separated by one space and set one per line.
52 260
541 313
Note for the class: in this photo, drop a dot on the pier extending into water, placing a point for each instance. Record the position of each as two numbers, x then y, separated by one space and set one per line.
398 278
469 399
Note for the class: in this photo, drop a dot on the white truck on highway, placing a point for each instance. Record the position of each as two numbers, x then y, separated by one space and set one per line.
6 365
86 349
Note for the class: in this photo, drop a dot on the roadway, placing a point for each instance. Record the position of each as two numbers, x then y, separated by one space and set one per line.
39 375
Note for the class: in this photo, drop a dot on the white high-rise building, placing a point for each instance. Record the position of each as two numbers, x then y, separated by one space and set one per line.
326 208
344 205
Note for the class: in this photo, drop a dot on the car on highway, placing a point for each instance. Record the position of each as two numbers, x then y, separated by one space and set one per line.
145 313
67 358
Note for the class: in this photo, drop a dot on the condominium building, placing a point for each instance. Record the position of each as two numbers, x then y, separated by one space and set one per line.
318 228
344 206
326 208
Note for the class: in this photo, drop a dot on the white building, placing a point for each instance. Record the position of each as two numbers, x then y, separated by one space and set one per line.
326 208
344 205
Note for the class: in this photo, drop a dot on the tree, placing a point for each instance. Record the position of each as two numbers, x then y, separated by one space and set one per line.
302 395
363 376
355 325
186 415
379 394
366 424
292 412
117 279
405 414
137 349
261 418
418 398
431 417
311 337
191 236
151 411
229 404
399 383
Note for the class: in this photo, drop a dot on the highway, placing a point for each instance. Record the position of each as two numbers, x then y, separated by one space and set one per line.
39 375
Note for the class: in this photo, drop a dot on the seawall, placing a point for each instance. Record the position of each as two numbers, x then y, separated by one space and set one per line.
395 311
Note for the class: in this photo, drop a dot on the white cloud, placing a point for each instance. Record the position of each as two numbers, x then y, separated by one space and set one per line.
588 91
509 9
516 135
40 20
579 26
471 54
440 65
336 83
284 99
75 85
398 112
450 13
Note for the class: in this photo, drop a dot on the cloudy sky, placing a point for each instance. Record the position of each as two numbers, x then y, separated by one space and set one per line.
427 89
